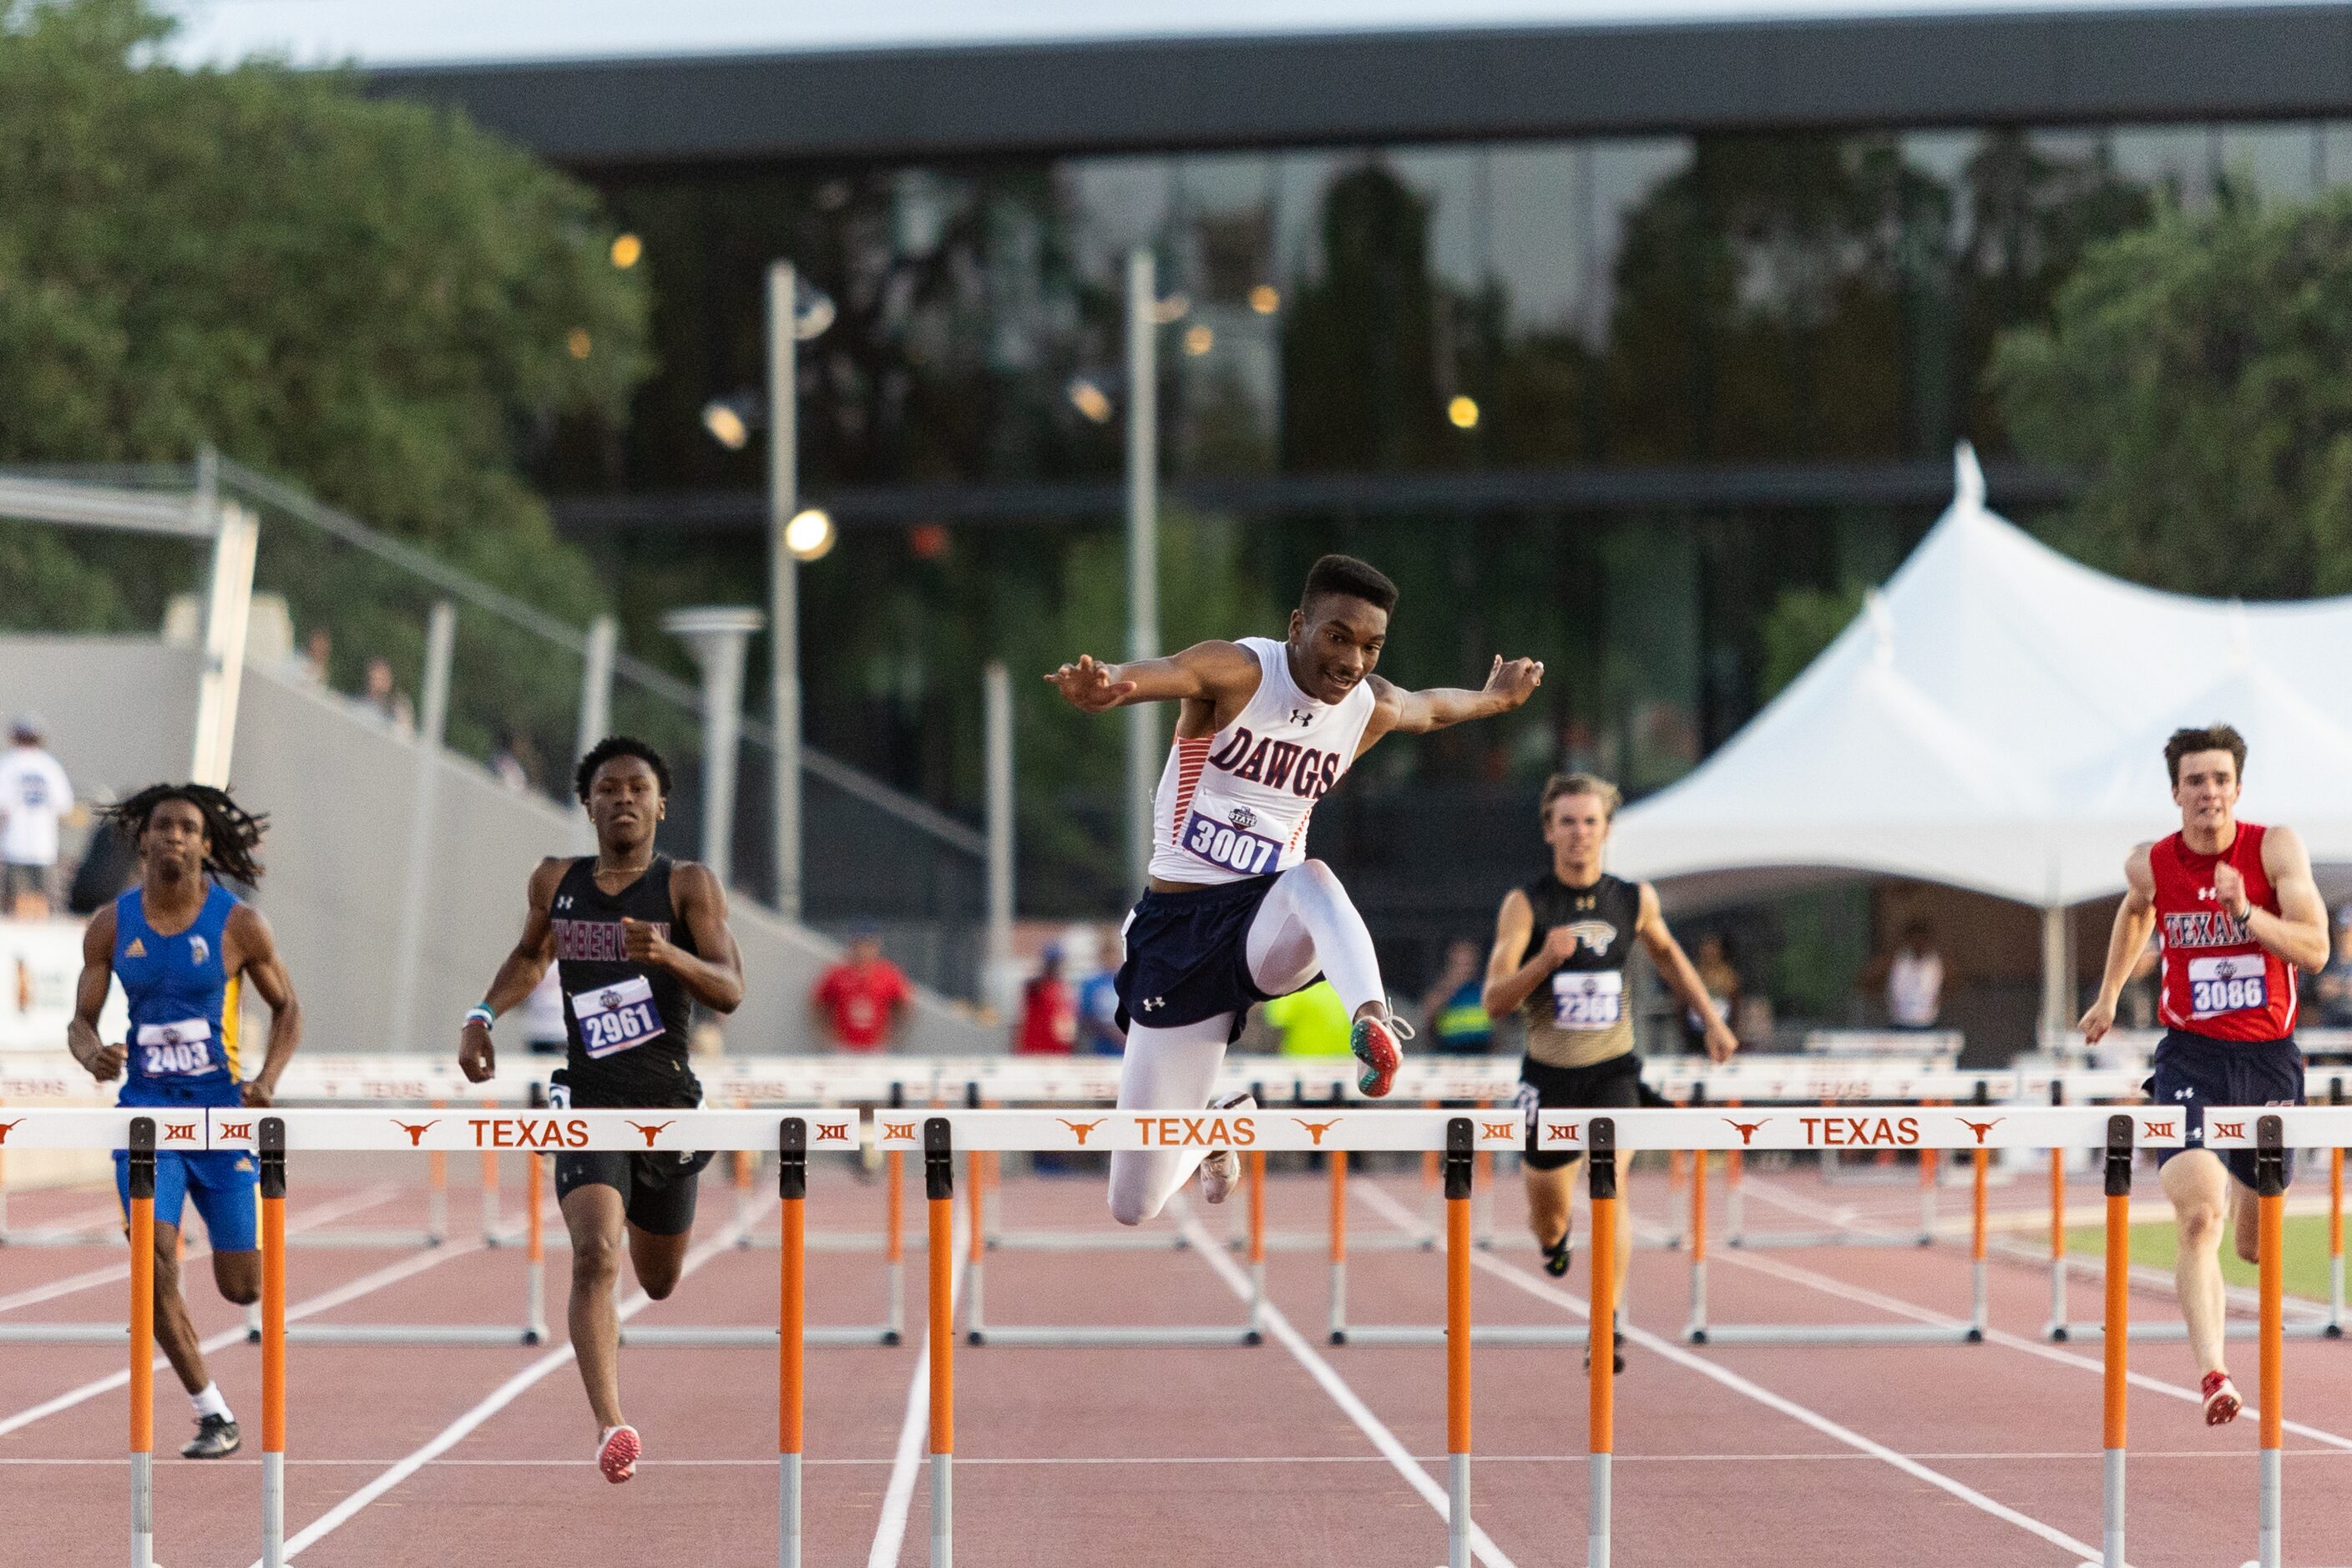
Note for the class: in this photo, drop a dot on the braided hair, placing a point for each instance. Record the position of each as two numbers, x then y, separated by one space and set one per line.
231 833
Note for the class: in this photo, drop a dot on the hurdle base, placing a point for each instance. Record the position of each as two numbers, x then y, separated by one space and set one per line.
409 1334
752 1334
1834 1334
2172 1331
388 1240
1078 1336
64 1333
1480 1334
1765 1241
62 1238
1088 1241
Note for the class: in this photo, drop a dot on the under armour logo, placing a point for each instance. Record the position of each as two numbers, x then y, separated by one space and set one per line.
564 902
2184 1094
1152 1004
1302 716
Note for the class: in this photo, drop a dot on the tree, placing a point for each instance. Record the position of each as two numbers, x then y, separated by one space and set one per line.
370 296
2192 371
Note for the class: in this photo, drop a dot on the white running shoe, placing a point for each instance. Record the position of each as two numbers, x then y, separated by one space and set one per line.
1222 1170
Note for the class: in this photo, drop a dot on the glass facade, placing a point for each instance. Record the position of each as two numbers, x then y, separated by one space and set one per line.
1674 306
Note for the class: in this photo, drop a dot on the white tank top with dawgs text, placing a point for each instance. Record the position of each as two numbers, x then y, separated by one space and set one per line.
1235 804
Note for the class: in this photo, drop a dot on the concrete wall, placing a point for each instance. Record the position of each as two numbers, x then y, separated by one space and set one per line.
342 792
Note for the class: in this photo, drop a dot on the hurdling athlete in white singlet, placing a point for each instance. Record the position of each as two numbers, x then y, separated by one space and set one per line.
1235 913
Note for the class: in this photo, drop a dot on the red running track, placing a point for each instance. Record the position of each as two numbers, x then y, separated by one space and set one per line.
1288 1451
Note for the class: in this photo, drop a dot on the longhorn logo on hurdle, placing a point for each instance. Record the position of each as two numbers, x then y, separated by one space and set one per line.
8 1127
1080 1128
653 1132
1981 1128
1314 1130
415 1130
1746 1130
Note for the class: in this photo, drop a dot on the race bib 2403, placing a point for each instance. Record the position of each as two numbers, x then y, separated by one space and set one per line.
617 1017
2235 983
172 1050
1234 849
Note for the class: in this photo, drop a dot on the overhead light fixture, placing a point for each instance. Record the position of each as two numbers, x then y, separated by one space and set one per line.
810 536
1090 400
1464 411
1198 339
627 250
1265 299
813 310
1173 307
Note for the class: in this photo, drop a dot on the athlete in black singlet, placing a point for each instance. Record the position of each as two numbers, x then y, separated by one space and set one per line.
637 940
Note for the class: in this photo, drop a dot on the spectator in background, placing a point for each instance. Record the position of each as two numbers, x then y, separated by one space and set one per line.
1721 978
506 763
542 1017
2334 986
1312 1022
1457 1021
859 1000
318 657
1049 1011
34 798
1915 980
1099 1030
384 698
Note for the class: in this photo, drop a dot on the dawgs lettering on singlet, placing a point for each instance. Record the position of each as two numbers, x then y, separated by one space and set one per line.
595 941
1307 772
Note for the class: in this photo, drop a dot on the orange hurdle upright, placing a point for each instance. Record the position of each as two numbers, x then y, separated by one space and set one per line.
939 1189
2269 1189
1458 1188
792 1322
142 1342
1600 1156
2116 1364
271 1148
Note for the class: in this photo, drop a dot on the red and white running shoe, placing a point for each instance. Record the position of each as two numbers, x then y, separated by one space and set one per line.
1375 1042
617 1455
2221 1401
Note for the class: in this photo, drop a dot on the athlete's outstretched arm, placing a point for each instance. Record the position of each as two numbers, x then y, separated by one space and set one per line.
1681 978
2298 932
258 961
715 978
1206 671
103 1061
519 972
1395 709
2135 917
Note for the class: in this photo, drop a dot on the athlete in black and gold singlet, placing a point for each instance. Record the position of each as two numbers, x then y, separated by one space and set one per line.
638 940
1561 944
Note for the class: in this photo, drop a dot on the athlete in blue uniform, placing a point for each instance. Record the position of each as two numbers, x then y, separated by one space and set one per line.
183 945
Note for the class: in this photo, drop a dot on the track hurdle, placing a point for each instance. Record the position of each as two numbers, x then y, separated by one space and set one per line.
939 1134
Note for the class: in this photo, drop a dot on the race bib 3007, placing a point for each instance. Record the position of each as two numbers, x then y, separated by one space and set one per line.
1234 849
617 1017
2235 983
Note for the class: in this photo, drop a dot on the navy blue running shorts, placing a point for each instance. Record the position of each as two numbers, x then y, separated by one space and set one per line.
2194 1071
1188 956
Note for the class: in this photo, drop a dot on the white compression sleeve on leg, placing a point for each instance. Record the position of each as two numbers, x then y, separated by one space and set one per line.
1308 922
1173 1070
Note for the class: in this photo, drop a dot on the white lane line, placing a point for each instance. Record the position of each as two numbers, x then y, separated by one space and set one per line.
390 1274
1863 1296
907 1460
1633 1334
325 1213
505 1394
1278 1325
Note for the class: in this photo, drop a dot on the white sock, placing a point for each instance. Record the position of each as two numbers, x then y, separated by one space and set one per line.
210 1403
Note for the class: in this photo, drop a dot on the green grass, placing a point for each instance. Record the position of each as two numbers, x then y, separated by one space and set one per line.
2155 1243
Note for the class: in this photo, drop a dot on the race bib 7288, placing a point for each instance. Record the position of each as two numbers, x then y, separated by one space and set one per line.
1234 849
617 1017
1587 999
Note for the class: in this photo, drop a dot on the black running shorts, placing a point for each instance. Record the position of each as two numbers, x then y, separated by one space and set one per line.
656 1187
2194 1071
1613 1085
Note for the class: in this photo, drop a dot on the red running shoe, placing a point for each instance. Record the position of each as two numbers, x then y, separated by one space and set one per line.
2221 1401
616 1455
1374 1041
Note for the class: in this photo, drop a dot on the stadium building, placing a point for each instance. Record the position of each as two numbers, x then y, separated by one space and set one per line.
1631 334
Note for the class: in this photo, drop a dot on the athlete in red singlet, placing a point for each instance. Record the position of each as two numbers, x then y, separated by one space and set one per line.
2238 913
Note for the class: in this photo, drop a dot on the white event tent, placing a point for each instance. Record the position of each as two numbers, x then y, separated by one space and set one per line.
1995 720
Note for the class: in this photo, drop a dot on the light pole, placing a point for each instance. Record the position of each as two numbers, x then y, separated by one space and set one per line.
718 635
788 327
1143 742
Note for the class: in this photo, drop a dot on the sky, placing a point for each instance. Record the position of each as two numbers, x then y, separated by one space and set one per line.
413 32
